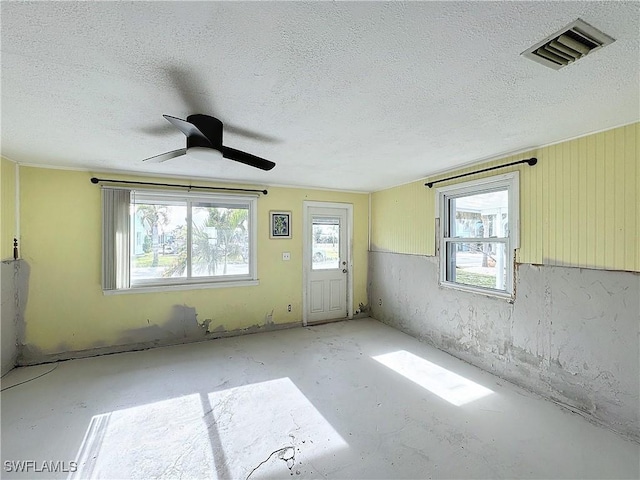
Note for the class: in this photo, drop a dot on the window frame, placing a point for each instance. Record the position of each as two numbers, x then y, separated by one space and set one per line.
509 182
189 199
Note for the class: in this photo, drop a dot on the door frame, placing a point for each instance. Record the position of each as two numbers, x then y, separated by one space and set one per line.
306 253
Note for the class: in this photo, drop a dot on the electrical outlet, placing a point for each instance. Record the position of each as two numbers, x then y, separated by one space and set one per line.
289 308
286 256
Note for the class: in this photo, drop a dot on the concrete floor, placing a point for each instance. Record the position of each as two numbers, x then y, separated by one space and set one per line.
347 400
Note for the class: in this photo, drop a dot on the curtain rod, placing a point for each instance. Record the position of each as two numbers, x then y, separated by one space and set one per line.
226 189
530 161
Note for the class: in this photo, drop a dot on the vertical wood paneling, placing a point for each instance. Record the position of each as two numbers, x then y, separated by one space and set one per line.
620 200
525 218
578 207
562 211
565 191
590 191
600 194
573 193
551 153
637 199
541 219
609 198
631 201
583 167
402 220
547 219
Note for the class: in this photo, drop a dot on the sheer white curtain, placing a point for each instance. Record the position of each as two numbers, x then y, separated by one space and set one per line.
115 238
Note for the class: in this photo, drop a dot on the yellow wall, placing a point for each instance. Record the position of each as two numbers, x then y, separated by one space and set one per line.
402 220
579 206
8 208
61 244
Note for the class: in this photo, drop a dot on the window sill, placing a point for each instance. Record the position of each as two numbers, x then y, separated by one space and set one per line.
183 286
478 290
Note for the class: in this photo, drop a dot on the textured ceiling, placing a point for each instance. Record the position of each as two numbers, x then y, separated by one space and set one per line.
355 96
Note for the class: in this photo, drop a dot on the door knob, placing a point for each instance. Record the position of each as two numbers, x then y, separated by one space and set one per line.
344 270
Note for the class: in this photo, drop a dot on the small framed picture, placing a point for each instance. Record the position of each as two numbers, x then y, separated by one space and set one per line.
280 224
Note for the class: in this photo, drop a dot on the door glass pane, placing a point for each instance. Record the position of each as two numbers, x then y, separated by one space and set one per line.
220 240
325 243
158 241
483 215
477 264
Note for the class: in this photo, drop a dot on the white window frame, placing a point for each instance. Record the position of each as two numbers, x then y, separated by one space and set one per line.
117 271
511 183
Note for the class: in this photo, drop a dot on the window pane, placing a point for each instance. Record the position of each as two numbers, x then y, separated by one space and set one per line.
220 240
158 246
482 215
477 264
325 244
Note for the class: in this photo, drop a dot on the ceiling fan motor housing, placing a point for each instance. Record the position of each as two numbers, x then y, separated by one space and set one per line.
211 128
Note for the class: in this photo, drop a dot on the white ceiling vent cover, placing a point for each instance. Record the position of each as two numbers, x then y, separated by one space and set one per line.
573 42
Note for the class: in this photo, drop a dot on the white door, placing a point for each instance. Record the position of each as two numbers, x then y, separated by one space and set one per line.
327 262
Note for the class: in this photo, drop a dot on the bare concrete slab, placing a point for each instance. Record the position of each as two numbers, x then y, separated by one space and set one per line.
354 399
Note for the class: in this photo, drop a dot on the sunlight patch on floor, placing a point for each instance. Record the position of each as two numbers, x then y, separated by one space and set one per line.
157 439
449 386
265 427
258 419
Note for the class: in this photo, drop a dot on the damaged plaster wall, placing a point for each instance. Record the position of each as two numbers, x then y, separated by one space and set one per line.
571 334
183 326
9 314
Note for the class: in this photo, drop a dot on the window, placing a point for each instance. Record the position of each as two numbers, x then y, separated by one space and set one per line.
325 242
170 239
479 234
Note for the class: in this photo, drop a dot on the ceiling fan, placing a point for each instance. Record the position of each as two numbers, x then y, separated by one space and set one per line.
204 136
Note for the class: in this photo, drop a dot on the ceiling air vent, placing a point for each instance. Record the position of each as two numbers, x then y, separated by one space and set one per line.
573 42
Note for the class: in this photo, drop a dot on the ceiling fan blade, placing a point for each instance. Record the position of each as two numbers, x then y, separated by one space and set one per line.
158 130
163 157
244 132
188 128
246 158
192 88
